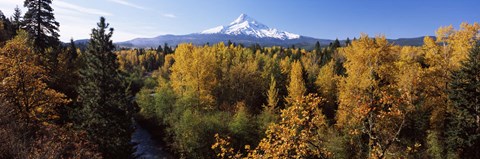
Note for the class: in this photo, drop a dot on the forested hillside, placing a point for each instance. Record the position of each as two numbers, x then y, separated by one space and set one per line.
367 98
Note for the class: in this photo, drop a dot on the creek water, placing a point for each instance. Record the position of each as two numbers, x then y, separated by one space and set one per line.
147 147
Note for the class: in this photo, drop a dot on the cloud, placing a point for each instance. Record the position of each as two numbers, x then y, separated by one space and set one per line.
76 21
7 6
79 9
125 3
169 15
12 2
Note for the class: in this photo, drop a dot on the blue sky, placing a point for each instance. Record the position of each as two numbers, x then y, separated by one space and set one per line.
320 19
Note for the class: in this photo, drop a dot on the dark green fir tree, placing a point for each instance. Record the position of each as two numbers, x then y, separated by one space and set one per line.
463 128
348 42
105 110
39 21
16 19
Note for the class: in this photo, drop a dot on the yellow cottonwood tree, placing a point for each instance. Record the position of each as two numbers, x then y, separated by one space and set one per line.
299 134
369 104
296 88
22 83
193 75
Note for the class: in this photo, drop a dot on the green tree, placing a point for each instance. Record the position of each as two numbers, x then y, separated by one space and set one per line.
317 47
16 19
159 48
104 103
5 28
463 128
348 42
336 44
167 49
41 25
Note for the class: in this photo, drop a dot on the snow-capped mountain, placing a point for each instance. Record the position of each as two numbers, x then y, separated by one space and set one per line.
245 25
243 30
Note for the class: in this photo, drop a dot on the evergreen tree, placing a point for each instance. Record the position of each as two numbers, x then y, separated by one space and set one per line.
347 42
103 98
72 54
159 49
6 28
335 44
167 49
16 19
65 77
463 129
41 25
317 48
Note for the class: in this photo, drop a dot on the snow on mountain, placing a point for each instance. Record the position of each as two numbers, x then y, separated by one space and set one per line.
245 25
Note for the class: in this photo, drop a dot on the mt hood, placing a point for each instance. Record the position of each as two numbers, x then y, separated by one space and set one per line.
245 25
243 30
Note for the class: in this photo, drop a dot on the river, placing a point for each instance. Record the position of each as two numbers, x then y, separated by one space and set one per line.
148 148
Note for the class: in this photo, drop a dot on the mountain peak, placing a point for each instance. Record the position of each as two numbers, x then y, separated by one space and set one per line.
243 18
245 25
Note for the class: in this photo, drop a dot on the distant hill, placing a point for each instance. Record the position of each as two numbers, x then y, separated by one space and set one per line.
409 41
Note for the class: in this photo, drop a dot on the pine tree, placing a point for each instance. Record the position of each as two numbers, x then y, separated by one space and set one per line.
103 97
317 46
336 44
72 54
463 129
5 28
167 49
41 25
318 50
159 49
347 42
16 19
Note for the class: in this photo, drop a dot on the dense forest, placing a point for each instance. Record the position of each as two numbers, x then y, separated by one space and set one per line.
365 98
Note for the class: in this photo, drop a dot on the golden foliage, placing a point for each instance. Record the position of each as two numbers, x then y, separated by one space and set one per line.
23 82
296 88
192 73
299 133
